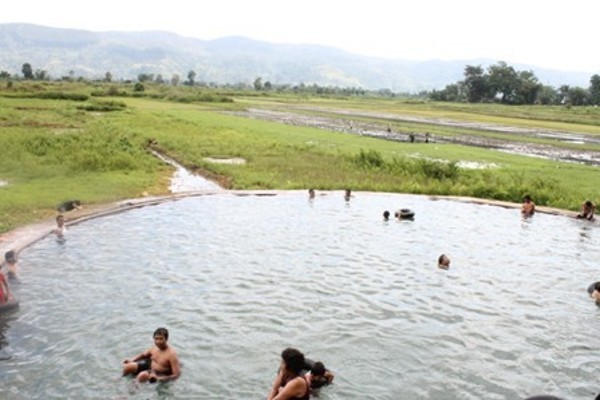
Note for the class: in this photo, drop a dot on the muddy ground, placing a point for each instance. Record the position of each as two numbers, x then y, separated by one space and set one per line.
510 144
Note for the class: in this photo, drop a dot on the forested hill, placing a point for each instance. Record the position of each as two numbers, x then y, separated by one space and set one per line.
231 60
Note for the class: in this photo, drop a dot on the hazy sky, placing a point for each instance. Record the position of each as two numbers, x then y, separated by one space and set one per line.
559 35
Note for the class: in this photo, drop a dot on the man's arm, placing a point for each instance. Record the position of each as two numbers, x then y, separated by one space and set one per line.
294 388
175 369
276 386
145 354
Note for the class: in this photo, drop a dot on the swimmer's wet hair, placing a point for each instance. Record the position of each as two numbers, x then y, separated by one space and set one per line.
161 332
294 360
441 258
318 368
10 256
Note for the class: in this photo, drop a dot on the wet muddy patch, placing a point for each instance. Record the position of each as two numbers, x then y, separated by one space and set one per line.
233 161
512 143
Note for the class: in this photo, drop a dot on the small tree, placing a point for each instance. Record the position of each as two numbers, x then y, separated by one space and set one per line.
27 71
41 75
258 84
191 81
107 77
139 87
175 80
595 89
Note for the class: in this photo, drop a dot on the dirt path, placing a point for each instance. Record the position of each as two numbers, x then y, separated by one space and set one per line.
380 130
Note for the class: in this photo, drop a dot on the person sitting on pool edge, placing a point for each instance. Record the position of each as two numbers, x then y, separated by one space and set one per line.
528 207
443 262
289 384
159 363
587 211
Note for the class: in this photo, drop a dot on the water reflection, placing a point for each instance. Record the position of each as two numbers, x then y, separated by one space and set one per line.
238 279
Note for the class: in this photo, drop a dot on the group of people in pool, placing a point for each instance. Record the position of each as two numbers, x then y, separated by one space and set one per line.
588 208
10 261
297 377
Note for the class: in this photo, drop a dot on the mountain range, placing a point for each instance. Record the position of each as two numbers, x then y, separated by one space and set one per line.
231 60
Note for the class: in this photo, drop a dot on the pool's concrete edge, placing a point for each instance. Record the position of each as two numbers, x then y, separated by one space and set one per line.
24 236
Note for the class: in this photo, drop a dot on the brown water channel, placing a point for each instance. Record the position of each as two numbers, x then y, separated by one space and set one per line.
238 278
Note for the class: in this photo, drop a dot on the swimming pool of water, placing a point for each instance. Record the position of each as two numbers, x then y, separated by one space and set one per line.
236 279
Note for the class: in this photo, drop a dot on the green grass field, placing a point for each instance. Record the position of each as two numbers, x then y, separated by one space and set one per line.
94 148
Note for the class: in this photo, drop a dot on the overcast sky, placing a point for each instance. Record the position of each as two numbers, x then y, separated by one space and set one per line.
559 35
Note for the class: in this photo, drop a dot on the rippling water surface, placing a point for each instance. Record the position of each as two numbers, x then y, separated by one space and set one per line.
236 279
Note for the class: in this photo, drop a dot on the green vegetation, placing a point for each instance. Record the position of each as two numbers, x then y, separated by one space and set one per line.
81 146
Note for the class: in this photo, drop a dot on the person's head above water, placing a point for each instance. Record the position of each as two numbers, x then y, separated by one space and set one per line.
386 215
161 332
161 336
10 256
318 375
293 360
444 261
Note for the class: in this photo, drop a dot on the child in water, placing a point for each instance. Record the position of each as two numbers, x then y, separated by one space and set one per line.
528 207
443 262
11 263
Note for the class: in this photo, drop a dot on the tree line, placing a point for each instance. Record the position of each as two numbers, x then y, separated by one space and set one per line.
501 83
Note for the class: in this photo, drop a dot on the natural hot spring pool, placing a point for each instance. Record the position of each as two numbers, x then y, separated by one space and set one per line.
236 279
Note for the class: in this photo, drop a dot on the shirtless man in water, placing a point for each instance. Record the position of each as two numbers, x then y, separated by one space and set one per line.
159 363
528 207
587 211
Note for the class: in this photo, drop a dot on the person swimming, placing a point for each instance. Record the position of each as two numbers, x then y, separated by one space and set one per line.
444 262
528 207
159 363
10 258
587 211
386 215
290 384
317 375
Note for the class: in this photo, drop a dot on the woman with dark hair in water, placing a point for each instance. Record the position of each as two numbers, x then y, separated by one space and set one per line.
290 384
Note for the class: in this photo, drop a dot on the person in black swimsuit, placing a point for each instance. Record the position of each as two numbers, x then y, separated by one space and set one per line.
290 384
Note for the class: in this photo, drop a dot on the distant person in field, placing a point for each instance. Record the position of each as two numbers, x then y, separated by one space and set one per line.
528 207
69 206
587 211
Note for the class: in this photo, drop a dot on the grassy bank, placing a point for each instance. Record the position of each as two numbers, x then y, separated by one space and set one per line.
95 148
